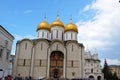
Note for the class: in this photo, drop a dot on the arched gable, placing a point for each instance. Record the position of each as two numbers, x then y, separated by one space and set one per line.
26 39
74 42
57 45
41 49
53 41
72 50
39 40
25 48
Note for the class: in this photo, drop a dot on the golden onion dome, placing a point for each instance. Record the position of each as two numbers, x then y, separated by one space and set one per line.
43 25
57 22
71 27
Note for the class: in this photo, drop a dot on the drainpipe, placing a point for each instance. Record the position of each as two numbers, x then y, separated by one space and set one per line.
32 62
47 67
66 63
82 63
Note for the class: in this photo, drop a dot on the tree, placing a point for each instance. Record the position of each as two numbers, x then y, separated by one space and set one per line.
115 76
107 73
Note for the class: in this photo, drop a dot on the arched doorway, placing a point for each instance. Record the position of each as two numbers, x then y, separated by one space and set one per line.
56 73
56 64
91 77
99 78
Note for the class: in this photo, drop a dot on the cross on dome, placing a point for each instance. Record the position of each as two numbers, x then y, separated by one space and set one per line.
71 19
58 17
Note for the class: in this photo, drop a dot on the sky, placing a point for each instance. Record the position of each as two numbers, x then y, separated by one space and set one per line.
98 22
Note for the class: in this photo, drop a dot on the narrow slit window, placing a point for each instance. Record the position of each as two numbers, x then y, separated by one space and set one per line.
47 35
72 63
42 34
57 34
62 35
72 48
41 46
76 36
40 62
57 47
71 35
38 34
66 36
52 35
7 55
1 52
91 70
24 62
25 46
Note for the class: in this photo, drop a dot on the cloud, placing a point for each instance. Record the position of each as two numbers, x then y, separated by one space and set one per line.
19 37
27 11
86 8
110 61
101 31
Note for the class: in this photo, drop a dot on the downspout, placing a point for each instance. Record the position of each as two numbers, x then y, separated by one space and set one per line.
47 62
16 59
32 61
66 63
81 63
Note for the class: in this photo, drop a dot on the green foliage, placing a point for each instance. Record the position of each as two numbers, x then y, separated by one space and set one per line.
115 76
108 75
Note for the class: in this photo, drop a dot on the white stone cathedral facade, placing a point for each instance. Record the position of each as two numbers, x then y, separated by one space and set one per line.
55 53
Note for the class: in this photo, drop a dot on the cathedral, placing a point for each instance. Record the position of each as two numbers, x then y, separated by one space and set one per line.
55 53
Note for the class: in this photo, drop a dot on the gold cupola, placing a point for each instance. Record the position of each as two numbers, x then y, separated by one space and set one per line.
43 25
71 27
57 22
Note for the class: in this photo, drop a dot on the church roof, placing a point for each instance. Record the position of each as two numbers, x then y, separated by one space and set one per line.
7 31
57 23
43 25
71 27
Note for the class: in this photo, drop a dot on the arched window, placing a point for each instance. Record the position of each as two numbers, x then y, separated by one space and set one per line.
57 34
91 70
25 46
24 62
72 48
1 52
99 78
42 34
41 46
91 77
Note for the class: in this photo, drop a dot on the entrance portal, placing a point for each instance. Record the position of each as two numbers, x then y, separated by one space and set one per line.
56 73
56 64
99 78
91 77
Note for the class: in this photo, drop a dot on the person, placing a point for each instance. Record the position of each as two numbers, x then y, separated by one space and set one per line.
9 77
30 78
18 77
